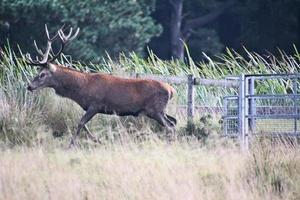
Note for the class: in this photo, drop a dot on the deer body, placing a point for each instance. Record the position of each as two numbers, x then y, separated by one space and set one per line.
102 93
109 94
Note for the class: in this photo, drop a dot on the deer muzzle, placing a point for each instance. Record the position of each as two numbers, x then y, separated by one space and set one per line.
30 88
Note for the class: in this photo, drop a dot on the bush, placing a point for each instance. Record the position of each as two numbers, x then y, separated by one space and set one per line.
106 26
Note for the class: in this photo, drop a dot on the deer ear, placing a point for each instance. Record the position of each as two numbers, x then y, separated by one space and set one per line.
52 67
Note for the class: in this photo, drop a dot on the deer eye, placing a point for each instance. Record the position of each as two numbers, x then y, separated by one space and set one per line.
42 75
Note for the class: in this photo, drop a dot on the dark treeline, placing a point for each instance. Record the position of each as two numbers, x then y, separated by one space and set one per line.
211 25
162 25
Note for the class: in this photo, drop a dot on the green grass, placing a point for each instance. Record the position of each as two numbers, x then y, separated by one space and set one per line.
135 160
24 115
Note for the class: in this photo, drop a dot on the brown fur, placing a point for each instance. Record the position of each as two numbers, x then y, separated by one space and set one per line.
107 94
111 93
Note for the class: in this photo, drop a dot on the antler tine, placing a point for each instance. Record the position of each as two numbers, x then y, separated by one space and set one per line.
30 61
54 56
47 32
75 35
68 38
37 49
70 32
28 57
55 36
64 40
45 56
62 36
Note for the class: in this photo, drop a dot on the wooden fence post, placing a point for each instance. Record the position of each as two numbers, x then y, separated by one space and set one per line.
190 106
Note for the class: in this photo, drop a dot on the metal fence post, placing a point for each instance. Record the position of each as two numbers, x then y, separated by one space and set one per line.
190 106
252 105
225 113
295 85
242 112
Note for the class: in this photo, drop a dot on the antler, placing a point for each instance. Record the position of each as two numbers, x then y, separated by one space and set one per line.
64 40
45 56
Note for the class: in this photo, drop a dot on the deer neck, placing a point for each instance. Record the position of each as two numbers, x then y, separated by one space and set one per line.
69 83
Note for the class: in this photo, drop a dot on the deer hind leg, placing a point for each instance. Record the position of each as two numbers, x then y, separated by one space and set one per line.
160 104
171 120
156 110
85 118
90 135
160 118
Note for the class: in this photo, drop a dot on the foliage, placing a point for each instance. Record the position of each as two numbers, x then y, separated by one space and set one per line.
106 26
21 112
267 25
261 26
205 40
200 38
206 127
128 25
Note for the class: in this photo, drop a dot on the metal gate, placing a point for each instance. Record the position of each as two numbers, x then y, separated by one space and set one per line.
265 105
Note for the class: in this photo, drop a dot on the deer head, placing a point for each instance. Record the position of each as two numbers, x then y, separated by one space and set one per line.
44 78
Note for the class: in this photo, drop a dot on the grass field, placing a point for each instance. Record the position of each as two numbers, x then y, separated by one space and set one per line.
135 159
151 170
277 125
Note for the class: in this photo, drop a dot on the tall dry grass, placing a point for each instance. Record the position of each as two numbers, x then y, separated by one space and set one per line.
23 115
151 170
135 161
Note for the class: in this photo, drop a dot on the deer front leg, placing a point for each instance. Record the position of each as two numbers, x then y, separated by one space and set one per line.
90 113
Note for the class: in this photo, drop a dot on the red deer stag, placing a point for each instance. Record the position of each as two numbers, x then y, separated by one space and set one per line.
100 93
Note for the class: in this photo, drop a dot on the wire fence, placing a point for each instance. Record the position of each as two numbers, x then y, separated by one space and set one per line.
194 103
253 105
265 105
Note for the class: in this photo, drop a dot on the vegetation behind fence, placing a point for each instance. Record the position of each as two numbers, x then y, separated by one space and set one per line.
23 114
130 146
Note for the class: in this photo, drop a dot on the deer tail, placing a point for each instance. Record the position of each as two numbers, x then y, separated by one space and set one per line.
172 92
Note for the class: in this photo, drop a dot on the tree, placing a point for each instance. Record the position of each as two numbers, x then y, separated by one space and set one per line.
182 26
106 26
268 25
